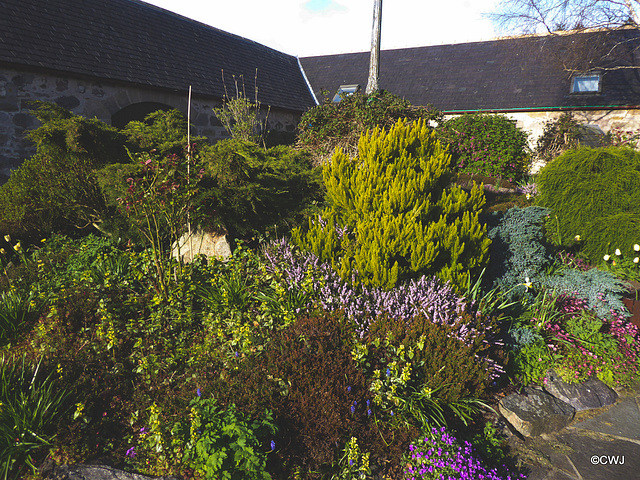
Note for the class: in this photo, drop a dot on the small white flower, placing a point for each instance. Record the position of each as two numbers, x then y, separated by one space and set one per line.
528 196
527 283
617 252
636 247
636 260
606 257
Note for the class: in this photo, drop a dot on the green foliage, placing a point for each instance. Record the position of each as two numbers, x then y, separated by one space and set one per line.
30 403
487 145
423 373
595 193
240 116
519 251
393 215
165 132
217 443
330 125
248 190
56 190
558 136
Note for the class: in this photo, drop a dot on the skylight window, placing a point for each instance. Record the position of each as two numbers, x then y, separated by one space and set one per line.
591 83
345 91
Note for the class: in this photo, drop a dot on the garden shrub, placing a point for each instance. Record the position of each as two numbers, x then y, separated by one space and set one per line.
424 370
248 190
393 214
318 395
56 189
487 145
557 137
518 249
330 125
594 193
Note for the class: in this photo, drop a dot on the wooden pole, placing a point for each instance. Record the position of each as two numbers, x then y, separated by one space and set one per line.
374 63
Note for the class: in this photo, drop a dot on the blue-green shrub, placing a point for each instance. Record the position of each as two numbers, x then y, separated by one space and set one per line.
518 250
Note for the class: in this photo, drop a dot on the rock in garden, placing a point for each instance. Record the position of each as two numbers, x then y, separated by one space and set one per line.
97 472
582 396
202 243
535 412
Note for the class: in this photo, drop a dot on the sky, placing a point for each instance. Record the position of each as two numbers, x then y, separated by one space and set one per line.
321 27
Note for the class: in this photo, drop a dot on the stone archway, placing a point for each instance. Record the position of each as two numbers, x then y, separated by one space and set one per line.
136 111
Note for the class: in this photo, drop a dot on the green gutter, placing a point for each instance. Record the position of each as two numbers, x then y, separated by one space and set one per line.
543 109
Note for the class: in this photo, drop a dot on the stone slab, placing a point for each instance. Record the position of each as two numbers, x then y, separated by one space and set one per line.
621 420
601 458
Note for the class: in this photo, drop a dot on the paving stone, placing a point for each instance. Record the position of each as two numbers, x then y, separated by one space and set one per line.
602 459
621 420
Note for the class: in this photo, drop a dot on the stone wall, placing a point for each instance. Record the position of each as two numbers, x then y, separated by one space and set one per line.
100 99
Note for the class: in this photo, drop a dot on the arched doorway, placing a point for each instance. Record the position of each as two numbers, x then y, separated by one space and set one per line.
136 111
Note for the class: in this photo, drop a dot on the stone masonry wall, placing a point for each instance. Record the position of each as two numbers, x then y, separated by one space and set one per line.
99 99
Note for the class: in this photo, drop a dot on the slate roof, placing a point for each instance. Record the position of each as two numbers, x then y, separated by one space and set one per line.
134 42
518 73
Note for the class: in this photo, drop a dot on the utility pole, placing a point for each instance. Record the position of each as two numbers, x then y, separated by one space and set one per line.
374 62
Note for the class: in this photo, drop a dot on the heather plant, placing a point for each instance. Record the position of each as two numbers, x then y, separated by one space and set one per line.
321 287
440 455
393 214
488 145
424 373
594 194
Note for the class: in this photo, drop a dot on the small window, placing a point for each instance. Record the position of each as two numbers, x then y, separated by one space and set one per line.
345 91
586 83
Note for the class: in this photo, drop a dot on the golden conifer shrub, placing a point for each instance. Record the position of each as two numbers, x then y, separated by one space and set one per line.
394 214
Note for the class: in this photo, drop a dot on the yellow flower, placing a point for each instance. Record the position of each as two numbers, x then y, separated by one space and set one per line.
3 251
527 283
577 238
7 238
17 247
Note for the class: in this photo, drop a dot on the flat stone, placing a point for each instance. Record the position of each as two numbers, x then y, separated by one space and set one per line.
592 393
603 459
535 412
98 472
622 420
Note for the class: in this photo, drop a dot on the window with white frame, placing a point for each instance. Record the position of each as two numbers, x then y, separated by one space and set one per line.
587 83
345 91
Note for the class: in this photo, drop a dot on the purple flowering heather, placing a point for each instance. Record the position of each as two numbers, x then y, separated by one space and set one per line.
422 296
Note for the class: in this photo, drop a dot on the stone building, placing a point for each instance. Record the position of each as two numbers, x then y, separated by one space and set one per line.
119 60
531 79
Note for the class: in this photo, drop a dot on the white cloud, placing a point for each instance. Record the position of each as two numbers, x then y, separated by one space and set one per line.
317 27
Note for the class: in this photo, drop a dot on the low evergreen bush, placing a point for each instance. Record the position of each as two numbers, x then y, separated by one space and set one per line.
489 145
330 125
393 214
518 250
594 193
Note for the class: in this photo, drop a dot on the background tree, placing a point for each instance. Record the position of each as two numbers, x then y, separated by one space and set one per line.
374 62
